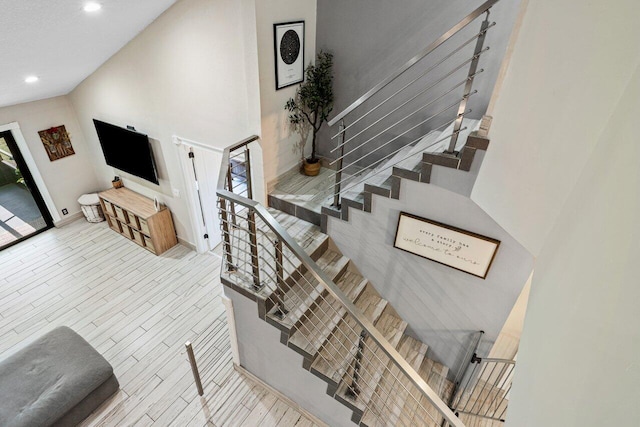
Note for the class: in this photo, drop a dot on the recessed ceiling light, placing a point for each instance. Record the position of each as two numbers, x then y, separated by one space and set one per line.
31 79
92 7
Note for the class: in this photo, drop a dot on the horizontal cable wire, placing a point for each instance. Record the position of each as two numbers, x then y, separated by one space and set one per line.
386 157
399 161
434 84
415 80
397 136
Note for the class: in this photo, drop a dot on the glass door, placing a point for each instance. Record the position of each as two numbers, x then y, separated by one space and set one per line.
22 209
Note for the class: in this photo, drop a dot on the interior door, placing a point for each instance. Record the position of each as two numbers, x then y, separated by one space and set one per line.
207 167
23 212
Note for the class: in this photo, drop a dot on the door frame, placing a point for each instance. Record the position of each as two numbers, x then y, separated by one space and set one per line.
38 181
194 205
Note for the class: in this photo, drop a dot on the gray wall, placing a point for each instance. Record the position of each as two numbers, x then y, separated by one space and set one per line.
262 354
370 39
443 306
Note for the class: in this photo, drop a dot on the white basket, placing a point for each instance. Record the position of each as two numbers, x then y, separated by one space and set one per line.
93 213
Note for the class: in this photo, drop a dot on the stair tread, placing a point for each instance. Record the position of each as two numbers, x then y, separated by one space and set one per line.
302 295
374 362
307 235
487 397
382 410
409 411
308 336
435 375
335 353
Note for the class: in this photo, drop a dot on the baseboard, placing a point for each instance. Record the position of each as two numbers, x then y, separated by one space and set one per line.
68 219
186 243
288 401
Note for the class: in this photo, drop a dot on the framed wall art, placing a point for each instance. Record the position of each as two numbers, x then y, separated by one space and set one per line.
57 142
451 246
289 53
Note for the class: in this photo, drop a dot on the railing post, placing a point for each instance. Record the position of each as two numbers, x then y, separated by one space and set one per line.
354 390
247 171
225 234
279 293
336 190
230 188
253 239
467 87
194 367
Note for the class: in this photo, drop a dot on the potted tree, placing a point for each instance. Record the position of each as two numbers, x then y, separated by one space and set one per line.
312 104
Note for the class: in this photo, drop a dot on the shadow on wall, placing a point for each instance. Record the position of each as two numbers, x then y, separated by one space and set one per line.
386 38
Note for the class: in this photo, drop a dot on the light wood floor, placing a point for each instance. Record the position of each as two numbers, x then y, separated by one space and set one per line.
137 310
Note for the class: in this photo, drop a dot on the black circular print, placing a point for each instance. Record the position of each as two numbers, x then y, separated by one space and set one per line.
290 47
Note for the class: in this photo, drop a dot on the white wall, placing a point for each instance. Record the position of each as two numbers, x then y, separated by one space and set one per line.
506 346
562 176
578 360
191 74
277 139
67 178
568 70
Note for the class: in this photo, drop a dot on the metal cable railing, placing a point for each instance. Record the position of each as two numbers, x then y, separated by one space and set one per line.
390 118
353 340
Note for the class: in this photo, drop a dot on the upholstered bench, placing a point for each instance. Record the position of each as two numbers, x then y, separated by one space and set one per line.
57 380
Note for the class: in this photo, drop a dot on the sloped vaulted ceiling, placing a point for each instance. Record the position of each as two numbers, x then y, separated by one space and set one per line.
61 44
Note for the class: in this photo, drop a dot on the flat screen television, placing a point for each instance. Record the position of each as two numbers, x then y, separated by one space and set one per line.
127 150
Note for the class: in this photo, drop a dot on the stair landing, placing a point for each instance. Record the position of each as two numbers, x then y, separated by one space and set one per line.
303 196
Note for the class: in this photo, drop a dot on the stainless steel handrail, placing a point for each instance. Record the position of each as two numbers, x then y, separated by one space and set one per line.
443 38
283 236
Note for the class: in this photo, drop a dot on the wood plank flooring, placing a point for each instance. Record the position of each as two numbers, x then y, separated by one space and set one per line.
137 310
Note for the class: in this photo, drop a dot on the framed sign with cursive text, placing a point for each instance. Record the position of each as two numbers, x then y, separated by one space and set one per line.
451 246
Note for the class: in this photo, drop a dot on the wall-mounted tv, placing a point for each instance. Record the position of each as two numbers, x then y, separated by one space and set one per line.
127 150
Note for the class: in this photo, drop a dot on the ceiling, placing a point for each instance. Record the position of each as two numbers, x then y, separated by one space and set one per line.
62 44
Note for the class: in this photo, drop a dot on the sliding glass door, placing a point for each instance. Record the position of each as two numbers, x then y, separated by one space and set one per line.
22 210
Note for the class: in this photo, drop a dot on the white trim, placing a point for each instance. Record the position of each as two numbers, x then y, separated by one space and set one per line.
68 219
14 127
187 244
193 201
231 324
177 140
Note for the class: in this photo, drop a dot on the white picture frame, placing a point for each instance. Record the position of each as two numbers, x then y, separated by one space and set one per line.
289 53
456 248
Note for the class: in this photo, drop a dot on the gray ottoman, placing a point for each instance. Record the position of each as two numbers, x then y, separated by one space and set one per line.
57 380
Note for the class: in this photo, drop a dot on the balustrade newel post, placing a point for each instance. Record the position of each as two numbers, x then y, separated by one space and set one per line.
468 85
336 190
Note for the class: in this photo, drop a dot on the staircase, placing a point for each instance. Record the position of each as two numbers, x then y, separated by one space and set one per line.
324 308
334 346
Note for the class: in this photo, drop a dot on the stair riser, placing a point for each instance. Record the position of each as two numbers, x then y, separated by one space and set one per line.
349 404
